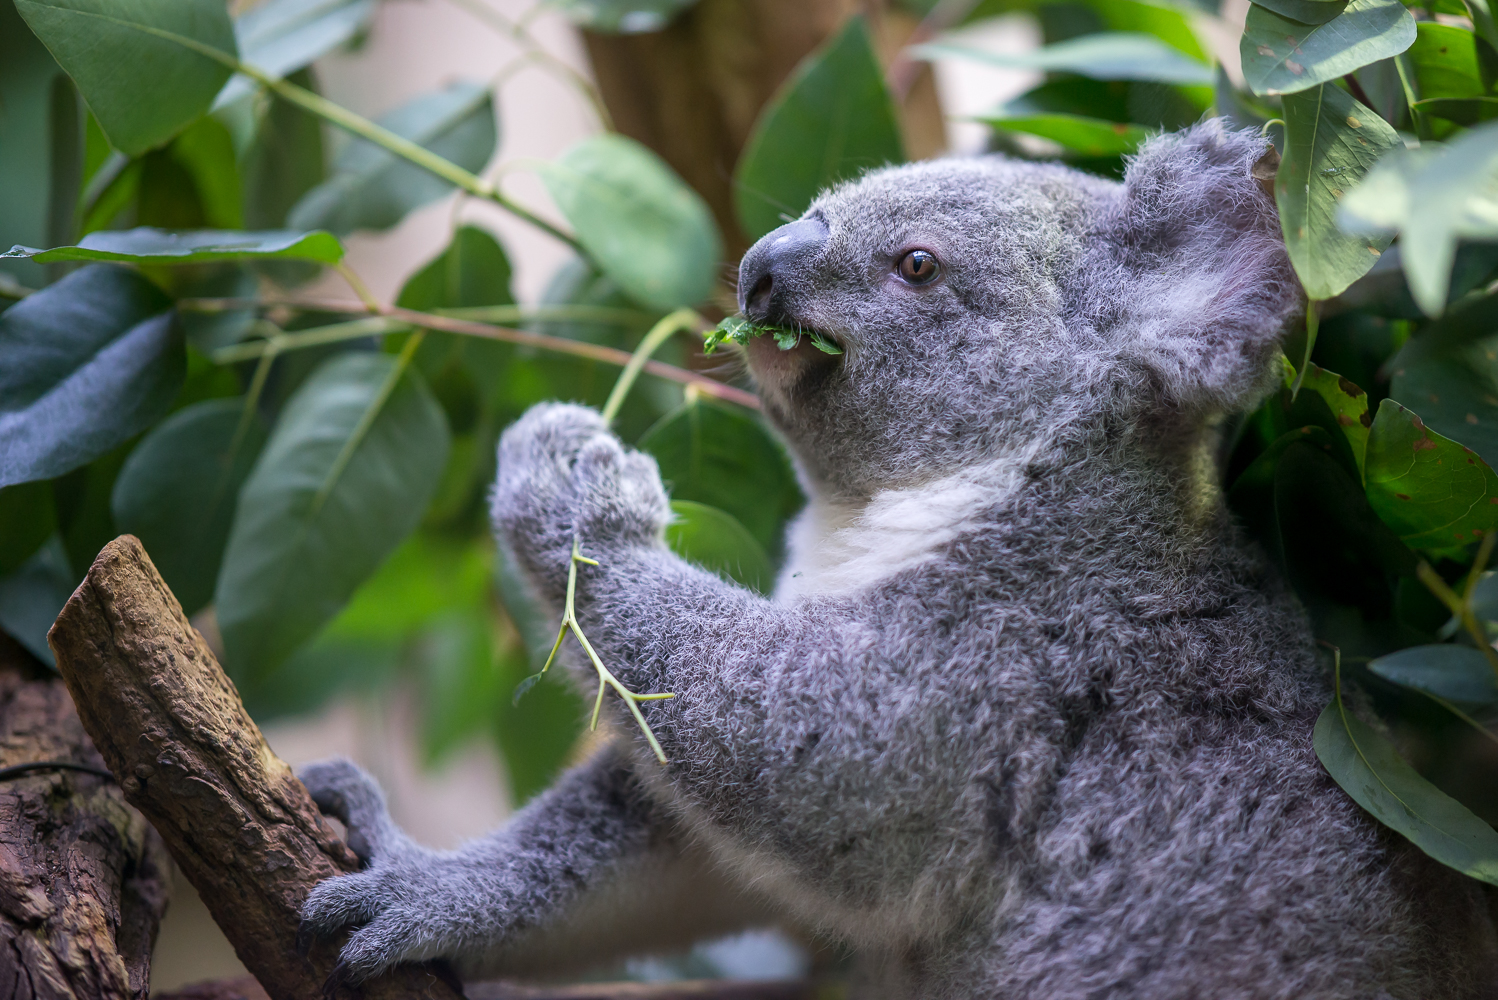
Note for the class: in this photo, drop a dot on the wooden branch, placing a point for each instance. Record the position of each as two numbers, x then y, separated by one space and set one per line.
170 725
83 878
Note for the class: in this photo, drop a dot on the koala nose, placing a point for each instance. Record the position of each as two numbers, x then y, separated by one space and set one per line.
769 265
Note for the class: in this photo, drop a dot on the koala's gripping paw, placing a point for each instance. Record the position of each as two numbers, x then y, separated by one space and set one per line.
562 471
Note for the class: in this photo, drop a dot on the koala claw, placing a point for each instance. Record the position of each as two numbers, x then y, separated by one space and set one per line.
337 979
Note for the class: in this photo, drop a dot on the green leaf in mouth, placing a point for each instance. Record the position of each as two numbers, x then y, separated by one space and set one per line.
739 329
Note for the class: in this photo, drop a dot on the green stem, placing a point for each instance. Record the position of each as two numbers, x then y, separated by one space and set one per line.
1313 322
669 326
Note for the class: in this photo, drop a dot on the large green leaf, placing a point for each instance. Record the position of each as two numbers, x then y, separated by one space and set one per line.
128 58
1455 673
372 188
1370 770
622 17
646 229
1433 196
179 487
1457 393
345 477
145 245
1444 58
831 121
1168 22
716 541
1281 56
726 459
30 517
1433 492
89 362
1330 143
279 37
1113 55
32 597
1087 136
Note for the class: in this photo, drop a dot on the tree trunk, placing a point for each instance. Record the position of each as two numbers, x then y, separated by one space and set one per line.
693 91
240 825
83 877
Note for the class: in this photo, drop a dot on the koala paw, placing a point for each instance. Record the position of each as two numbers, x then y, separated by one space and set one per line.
561 471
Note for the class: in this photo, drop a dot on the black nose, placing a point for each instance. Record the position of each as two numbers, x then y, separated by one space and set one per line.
770 267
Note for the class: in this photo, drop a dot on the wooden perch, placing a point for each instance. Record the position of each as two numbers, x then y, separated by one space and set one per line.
170 725
83 878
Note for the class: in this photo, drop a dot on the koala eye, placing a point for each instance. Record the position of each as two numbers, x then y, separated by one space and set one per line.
919 267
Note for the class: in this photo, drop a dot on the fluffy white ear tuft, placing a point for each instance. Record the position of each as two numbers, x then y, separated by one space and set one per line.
1203 287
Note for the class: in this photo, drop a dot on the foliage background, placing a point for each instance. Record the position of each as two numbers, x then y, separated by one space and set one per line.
308 466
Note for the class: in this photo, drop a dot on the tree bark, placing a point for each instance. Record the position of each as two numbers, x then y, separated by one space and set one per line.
693 90
83 877
243 829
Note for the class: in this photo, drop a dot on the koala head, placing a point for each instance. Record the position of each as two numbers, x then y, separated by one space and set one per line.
984 305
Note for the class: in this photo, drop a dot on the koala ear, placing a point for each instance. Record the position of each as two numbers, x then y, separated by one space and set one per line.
1204 286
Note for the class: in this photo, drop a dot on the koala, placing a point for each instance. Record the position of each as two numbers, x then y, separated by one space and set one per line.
1028 716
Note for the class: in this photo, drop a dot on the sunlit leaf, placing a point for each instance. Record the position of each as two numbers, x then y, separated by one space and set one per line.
1455 673
1330 143
145 245
179 487
150 85
716 541
643 225
89 362
372 188
1370 770
279 37
344 478
831 121
1281 56
1113 55
1434 493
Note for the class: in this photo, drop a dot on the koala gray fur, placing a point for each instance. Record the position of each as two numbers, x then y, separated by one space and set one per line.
1028 716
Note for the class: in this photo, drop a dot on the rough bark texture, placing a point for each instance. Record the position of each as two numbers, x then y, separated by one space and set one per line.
692 91
83 877
246 988
170 724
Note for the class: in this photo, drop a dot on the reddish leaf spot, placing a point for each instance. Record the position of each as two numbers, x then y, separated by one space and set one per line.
1344 420
1425 444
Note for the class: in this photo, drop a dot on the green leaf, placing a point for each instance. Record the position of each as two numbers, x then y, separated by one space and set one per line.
646 229
1433 196
1444 58
1457 393
1305 11
128 59
1330 143
716 541
1434 493
1466 111
145 245
348 471
279 37
205 153
1113 55
622 17
726 459
284 160
1348 404
1371 771
89 362
425 578
1455 673
372 188
832 120
1164 21
30 518
1088 136
33 596
1281 56
178 490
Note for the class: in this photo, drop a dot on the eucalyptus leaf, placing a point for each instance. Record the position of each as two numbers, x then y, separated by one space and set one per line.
1455 673
372 188
1282 56
179 487
1113 55
1444 60
831 121
641 223
1457 393
1305 11
283 161
152 84
29 81
1466 111
1087 136
145 245
279 37
345 477
716 541
1348 404
1433 196
89 363
1435 493
1370 770
1331 141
